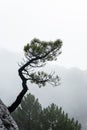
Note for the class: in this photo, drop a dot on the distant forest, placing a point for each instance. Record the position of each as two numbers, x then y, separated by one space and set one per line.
31 116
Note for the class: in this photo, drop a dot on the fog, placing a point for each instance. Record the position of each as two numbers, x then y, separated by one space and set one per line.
70 95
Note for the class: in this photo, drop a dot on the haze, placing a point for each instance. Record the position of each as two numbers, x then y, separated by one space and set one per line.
70 95
20 22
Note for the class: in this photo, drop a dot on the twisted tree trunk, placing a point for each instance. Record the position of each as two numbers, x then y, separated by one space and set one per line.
21 94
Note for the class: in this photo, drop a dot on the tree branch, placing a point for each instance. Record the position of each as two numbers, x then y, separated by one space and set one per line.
36 58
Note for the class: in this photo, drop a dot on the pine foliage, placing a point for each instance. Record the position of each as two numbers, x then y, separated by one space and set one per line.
31 116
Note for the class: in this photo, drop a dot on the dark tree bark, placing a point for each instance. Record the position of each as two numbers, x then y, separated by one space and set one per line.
18 100
21 94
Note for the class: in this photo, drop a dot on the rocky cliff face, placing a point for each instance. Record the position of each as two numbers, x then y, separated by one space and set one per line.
6 121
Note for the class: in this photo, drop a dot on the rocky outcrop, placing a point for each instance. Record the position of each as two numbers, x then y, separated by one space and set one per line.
6 121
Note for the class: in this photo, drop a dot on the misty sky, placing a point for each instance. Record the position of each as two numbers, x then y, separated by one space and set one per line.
22 20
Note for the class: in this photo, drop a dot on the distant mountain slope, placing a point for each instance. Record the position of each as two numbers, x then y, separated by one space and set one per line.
71 94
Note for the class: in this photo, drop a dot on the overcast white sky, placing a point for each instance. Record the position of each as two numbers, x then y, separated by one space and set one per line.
22 20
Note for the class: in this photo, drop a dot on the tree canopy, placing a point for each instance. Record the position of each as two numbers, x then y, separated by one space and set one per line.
37 53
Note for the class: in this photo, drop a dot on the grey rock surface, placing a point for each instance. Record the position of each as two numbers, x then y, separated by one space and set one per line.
6 121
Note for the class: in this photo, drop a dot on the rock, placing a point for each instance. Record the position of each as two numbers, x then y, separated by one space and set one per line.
6 121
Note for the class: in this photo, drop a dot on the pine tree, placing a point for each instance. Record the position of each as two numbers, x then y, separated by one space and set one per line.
31 116
37 53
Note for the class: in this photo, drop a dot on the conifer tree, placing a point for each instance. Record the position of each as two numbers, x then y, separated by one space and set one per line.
37 53
31 116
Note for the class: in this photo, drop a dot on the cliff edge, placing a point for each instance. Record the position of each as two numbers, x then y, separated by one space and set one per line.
6 121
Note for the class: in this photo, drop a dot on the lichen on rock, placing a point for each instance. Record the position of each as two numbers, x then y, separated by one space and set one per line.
6 121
